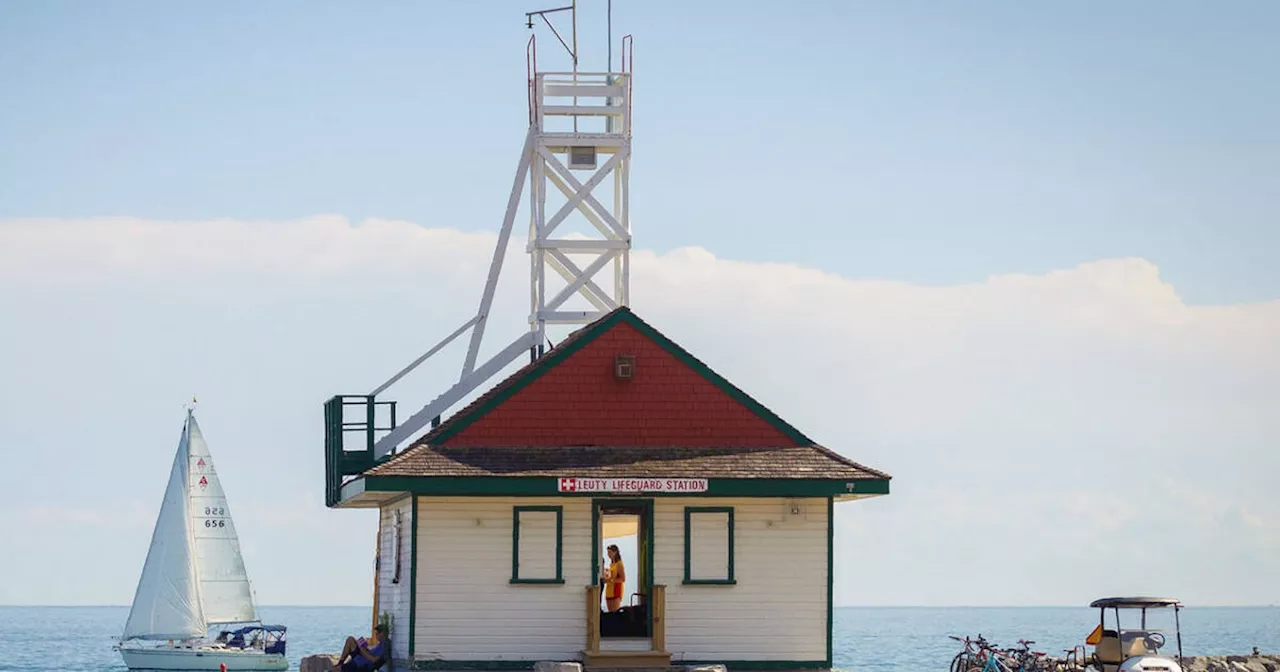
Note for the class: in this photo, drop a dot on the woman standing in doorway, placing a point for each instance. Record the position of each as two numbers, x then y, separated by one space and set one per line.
615 579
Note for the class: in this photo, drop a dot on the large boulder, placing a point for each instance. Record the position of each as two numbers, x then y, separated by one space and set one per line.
319 663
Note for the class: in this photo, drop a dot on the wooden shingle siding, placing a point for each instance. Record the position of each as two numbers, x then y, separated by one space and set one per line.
468 609
670 401
393 597
778 608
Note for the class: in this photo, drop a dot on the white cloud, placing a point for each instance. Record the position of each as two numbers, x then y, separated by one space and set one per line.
1052 436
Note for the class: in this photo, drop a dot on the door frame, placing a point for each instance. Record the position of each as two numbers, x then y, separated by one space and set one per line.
643 543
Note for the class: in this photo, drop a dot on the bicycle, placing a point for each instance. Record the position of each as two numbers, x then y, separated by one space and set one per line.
992 659
979 655
1028 660
1018 659
969 656
1070 661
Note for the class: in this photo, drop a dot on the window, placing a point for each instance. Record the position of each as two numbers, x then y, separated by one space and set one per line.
536 533
395 540
708 545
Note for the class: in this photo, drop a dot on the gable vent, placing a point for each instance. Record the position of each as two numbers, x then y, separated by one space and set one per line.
624 367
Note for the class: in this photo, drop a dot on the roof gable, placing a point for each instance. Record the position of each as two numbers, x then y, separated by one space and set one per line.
570 397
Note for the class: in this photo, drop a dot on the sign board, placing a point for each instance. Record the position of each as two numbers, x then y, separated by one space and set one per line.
633 485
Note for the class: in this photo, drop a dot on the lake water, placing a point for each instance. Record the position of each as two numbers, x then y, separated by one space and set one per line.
79 639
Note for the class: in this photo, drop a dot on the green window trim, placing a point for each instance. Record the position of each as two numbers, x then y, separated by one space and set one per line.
515 545
689 512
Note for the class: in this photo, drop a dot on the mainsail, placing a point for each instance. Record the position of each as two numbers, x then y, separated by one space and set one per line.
194 575
166 604
224 584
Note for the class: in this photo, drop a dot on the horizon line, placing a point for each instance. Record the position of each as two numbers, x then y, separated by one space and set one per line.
838 606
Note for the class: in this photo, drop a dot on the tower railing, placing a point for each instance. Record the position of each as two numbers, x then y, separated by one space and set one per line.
582 97
338 460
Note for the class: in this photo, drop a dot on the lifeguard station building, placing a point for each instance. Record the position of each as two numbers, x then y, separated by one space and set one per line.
493 517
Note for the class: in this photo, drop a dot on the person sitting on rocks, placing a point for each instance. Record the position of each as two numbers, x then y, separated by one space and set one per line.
356 657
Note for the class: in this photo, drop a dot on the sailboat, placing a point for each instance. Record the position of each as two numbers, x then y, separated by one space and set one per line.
194 579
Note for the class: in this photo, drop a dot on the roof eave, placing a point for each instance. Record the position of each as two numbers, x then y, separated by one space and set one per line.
388 488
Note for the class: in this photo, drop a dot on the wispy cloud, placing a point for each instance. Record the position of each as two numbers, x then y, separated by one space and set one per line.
1044 426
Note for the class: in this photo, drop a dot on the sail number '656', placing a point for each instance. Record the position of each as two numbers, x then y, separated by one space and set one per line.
215 511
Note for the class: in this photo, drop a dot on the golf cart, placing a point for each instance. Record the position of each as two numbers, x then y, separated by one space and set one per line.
1125 648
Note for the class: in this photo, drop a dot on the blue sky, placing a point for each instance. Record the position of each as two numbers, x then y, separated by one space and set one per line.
1009 253
932 142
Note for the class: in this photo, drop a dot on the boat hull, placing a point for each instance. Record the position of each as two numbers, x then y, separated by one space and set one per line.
201 659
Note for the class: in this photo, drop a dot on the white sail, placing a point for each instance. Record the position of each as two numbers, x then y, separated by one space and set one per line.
166 604
224 585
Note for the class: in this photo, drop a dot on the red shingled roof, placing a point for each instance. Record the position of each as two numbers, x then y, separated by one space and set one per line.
778 450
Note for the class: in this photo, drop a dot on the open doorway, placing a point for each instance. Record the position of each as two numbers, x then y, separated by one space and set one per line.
628 527
619 532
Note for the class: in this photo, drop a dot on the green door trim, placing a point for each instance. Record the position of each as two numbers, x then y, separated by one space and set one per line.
644 546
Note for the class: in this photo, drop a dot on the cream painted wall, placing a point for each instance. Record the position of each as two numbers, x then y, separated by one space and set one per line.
469 610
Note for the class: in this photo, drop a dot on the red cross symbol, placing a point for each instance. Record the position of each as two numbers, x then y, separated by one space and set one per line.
568 484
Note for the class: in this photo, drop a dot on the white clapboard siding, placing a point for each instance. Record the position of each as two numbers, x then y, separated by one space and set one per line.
393 596
467 607
778 608
709 542
537 535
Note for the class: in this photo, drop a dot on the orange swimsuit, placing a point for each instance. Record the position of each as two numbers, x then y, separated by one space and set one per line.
615 584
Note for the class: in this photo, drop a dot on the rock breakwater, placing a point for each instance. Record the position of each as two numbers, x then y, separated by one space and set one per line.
1252 663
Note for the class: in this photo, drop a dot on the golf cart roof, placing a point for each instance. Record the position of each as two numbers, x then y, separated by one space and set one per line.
1134 602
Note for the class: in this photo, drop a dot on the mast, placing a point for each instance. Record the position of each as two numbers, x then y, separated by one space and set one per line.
193 551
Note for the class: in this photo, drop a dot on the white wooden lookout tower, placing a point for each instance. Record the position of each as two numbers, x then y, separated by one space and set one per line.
579 122
576 160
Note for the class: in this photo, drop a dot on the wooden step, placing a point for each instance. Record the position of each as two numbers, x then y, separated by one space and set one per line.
672 668
634 661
